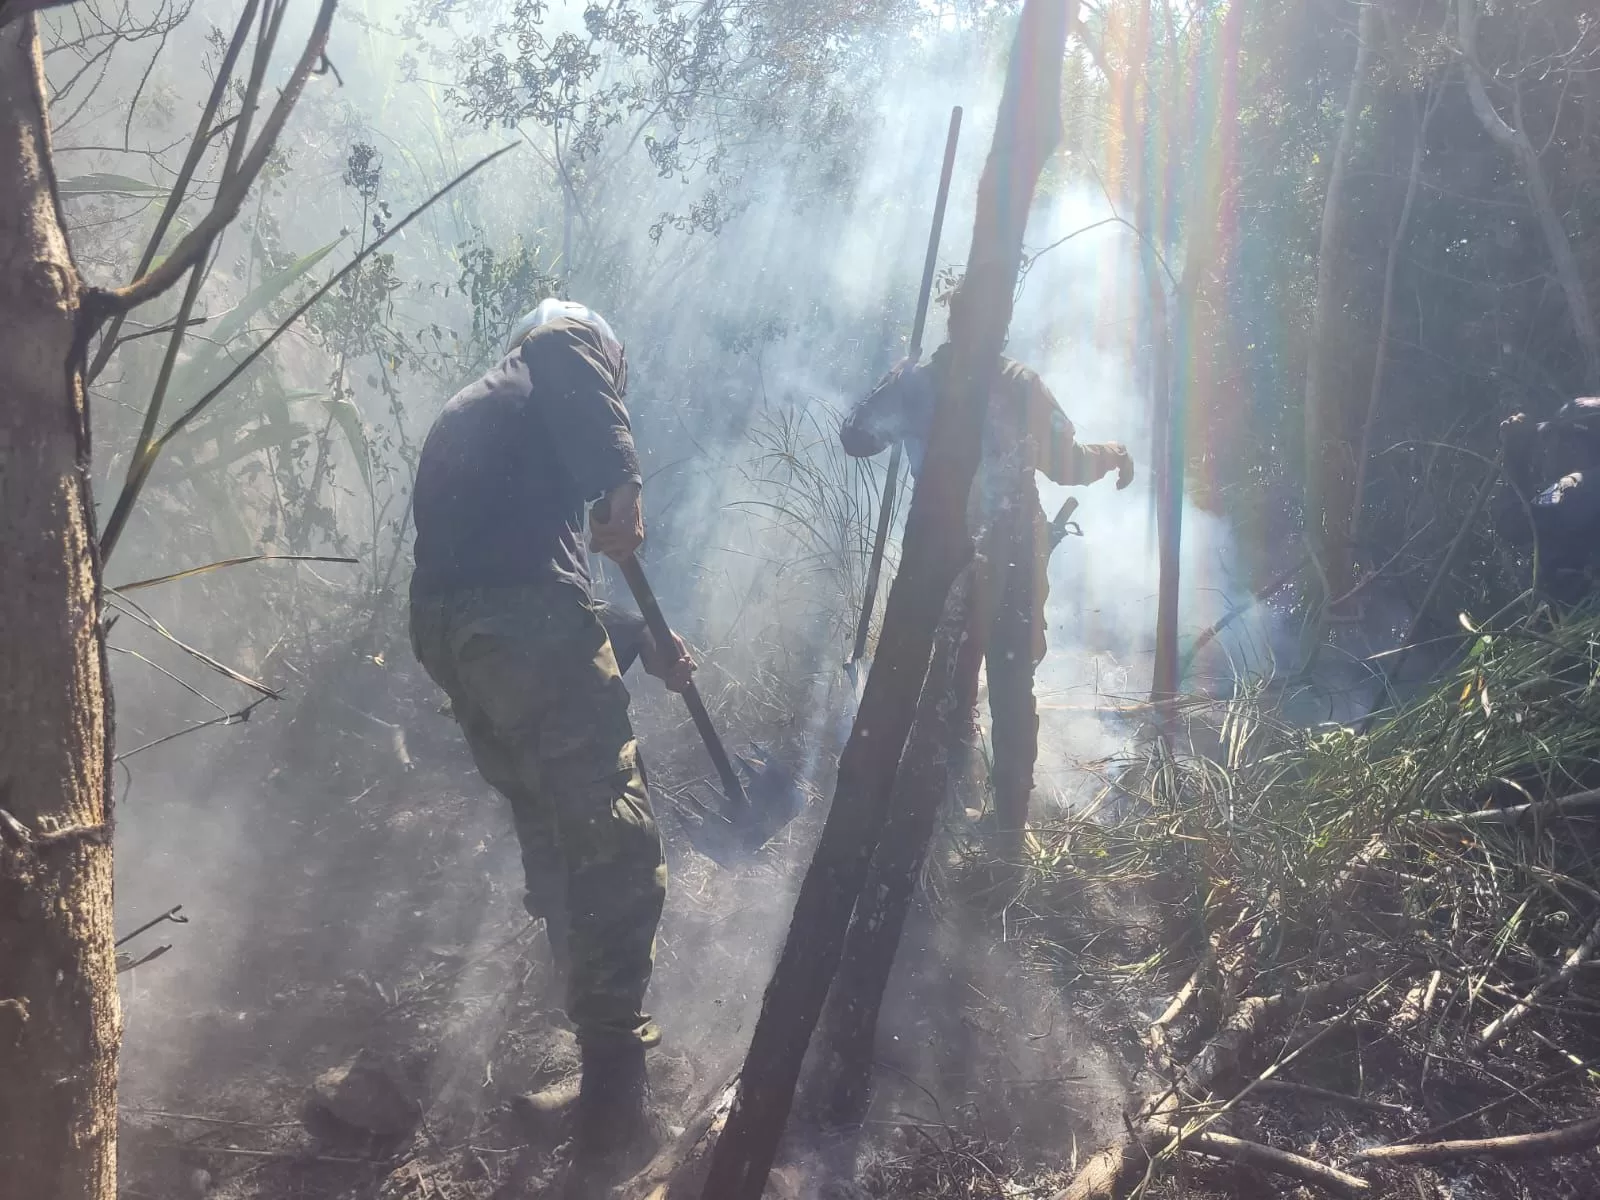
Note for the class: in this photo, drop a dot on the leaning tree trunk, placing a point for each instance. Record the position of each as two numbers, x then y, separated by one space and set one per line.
843 1079
1330 463
59 1021
936 548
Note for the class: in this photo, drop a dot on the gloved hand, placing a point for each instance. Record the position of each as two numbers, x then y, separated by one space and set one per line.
1124 463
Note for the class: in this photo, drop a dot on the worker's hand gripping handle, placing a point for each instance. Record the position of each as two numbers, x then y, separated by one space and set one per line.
645 597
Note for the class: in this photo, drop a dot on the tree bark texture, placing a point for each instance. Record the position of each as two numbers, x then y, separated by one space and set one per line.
59 1020
936 547
1329 428
850 1021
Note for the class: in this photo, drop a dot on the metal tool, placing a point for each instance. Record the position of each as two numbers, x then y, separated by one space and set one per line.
1064 526
754 812
891 478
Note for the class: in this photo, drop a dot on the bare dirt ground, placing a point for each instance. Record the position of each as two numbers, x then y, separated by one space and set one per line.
353 892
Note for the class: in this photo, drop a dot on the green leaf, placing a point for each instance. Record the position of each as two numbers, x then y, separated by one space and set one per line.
268 290
192 377
106 185
349 418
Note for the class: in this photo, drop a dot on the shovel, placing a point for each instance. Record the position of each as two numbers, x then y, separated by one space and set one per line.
891 477
749 816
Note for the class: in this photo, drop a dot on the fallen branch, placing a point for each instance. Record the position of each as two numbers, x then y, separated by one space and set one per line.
1155 1038
1113 1169
1510 1019
1537 809
1569 1139
1265 1158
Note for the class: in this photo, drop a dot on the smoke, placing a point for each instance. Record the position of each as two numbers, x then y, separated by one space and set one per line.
309 857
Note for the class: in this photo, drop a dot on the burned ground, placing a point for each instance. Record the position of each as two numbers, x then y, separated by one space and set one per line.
353 890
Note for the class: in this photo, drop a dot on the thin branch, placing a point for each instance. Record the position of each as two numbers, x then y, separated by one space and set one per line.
1265 1158
135 481
233 718
231 562
144 618
333 281
1537 809
191 162
233 190
1501 1025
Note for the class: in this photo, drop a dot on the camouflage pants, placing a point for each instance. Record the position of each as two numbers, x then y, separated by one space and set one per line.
535 688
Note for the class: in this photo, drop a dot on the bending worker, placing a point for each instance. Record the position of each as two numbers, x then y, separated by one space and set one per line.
502 619
1024 431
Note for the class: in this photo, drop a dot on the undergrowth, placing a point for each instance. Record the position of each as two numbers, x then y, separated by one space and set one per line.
1439 858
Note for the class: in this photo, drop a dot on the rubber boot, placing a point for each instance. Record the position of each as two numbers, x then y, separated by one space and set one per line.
614 1134
545 1117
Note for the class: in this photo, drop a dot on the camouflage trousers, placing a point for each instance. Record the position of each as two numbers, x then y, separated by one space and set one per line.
535 688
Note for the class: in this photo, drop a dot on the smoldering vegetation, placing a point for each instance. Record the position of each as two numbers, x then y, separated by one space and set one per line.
350 885
745 196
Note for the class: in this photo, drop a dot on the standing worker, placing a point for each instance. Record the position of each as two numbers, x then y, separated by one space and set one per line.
502 618
1024 431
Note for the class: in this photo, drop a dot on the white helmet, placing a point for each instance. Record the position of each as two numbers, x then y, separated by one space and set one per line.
553 310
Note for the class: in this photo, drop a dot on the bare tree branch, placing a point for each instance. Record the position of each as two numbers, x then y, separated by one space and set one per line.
231 195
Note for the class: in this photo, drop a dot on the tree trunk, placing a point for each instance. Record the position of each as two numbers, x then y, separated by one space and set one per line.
936 547
1513 138
1329 465
843 1080
59 1021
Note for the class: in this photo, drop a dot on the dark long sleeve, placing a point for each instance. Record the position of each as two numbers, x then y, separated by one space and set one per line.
578 379
898 409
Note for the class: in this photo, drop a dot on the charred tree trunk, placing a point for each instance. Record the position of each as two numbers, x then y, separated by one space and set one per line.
850 1022
935 549
59 1021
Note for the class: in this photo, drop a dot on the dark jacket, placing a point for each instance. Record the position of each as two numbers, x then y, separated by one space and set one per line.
1024 422
512 461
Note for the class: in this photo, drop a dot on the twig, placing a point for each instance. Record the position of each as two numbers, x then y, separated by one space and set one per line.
296 1155
1208 635
170 915
178 1116
144 618
231 562
124 967
1482 1110
1568 1139
233 718
1317 1093
1503 1024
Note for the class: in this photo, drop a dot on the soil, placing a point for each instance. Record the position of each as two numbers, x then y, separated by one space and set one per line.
352 889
